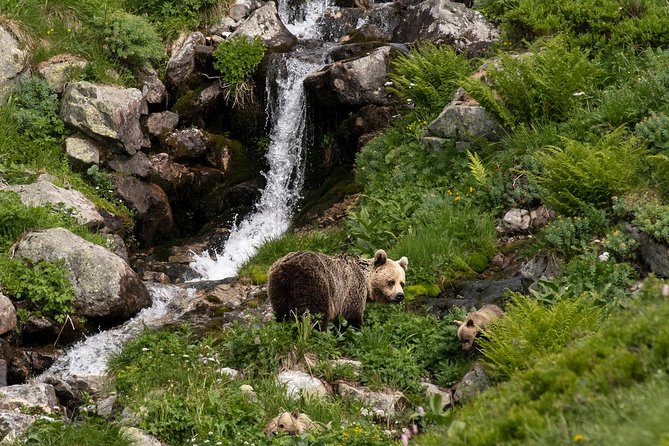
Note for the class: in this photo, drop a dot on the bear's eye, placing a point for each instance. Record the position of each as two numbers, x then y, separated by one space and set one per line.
391 283
402 284
281 426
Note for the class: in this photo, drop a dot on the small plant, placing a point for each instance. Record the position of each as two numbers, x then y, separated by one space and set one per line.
621 246
655 131
568 236
647 213
36 111
172 16
237 60
130 39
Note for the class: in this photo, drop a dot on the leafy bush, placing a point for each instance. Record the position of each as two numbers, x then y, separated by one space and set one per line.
530 330
90 432
428 76
647 213
546 84
621 246
45 285
568 236
655 131
581 175
36 111
237 59
130 39
172 16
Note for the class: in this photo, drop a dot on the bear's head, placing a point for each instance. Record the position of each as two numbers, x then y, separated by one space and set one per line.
387 279
288 422
467 332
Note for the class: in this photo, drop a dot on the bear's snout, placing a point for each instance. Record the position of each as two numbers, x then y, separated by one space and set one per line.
399 297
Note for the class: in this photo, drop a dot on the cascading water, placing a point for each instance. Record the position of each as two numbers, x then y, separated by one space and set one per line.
285 176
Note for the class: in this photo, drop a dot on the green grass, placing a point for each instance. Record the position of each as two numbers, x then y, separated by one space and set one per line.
90 432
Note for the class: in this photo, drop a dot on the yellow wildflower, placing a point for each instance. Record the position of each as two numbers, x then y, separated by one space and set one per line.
578 438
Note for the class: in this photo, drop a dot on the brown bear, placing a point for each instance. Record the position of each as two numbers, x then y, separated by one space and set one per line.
475 322
292 423
333 286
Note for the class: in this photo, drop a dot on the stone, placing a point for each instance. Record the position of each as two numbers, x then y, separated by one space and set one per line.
225 24
43 193
7 315
241 9
475 381
249 392
432 390
265 23
153 89
433 144
353 82
188 144
381 405
170 176
40 396
232 373
81 153
515 221
162 123
139 438
14 59
137 165
541 266
301 384
57 70
182 60
105 113
13 425
653 253
3 372
104 284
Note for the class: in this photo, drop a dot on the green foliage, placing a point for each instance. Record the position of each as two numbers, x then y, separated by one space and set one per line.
567 236
448 240
646 213
237 60
630 347
45 285
90 432
485 96
129 39
530 330
36 111
428 76
546 84
172 16
580 175
655 131
621 246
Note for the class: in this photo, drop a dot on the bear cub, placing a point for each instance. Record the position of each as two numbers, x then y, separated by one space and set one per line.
334 287
475 322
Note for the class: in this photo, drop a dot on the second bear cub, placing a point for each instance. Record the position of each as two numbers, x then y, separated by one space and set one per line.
475 322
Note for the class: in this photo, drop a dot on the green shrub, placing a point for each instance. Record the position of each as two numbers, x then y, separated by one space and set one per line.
447 240
580 175
129 39
647 213
44 285
428 76
36 111
621 246
568 236
546 84
90 432
655 131
172 16
237 60
531 330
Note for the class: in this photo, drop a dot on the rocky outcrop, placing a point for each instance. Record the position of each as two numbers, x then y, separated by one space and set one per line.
162 123
81 153
654 254
266 24
108 114
40 397
56 70
43 193
188 144
104 284
182 60
154 220
13 425
14 60
353 82
153 89
301 384
444 21
7 314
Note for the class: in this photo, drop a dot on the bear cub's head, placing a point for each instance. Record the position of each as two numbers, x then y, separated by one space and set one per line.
388 278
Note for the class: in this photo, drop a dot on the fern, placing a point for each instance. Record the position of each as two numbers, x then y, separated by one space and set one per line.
477 168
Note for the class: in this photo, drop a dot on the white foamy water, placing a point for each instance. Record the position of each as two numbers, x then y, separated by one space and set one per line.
309 12
89 357
285 175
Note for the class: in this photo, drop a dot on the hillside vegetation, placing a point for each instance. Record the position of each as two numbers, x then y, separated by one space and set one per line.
582 90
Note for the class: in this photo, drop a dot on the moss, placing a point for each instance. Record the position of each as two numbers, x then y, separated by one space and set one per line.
421 289
239 168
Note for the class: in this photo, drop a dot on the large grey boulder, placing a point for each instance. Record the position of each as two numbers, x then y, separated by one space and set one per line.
42 192
41 397
353 82
444 21
14 60
56 70
301 384
106 113
475 381
182 59
81 153
7 314
266 24
13 425
104 284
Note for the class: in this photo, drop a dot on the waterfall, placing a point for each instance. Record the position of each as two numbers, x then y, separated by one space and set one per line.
285 158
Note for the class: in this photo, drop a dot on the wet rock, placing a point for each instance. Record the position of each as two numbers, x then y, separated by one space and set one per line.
104 284
378 24
381 405
7 314
188 144
336 22
443 21
182 60
43 193
13 425
265 23
38 330
353 83
81 153
463 119
105 113
301 384
368 120
161 124
169 175
153 89
41 397
14 60
541 266
137 165
154 221
56 70
473 383
653 253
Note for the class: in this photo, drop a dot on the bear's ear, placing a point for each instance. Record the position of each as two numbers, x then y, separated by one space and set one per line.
295 414
380 258
404 263
470 322
457 323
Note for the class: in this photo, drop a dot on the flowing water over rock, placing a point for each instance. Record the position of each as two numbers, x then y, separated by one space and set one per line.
287 112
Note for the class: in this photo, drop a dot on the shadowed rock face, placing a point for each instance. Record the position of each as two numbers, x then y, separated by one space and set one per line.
105 286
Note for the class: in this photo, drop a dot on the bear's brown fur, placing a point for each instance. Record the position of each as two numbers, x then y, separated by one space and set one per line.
333 286
475 322
292 423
